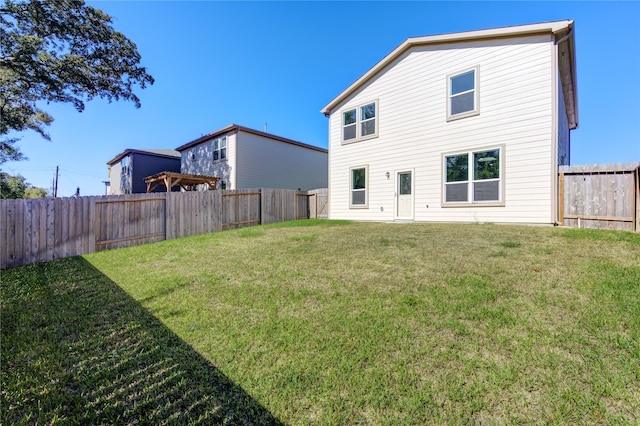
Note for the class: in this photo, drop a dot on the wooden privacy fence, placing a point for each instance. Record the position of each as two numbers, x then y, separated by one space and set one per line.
604 196
38 230
319 203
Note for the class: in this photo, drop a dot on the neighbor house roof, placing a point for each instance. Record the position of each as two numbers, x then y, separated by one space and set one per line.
562 31
236 127
166 153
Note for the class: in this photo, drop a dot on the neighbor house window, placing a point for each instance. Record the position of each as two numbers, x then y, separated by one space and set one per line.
462 94
223 184
360 122
124 165
358 187
220 148
473 177
193 154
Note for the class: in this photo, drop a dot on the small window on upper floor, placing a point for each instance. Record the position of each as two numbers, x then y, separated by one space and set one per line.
193 154
360 123
462 94
124 165
220 148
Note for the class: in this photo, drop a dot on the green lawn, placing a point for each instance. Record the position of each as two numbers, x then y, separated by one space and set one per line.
323 322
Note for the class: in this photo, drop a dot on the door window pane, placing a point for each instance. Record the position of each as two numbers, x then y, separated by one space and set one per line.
405 184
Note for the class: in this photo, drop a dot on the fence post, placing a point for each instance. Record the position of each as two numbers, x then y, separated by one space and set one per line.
261 197
561 199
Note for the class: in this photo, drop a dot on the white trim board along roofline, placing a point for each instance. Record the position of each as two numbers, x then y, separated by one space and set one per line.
561 30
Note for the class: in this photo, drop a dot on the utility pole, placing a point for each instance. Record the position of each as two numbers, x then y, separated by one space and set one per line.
55 185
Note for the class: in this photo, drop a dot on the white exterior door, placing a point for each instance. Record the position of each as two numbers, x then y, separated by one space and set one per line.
404 194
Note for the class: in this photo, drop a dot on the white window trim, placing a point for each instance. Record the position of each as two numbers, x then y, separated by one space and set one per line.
366 187
470 180
359 122
219 150
476 98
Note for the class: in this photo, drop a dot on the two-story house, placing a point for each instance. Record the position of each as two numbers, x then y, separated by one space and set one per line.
463 127
128 169
246 158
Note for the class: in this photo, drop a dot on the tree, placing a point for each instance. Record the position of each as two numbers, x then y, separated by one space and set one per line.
59 51
12 186
17 187
33 192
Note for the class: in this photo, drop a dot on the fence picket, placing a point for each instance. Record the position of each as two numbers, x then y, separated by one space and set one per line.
45 229
601 196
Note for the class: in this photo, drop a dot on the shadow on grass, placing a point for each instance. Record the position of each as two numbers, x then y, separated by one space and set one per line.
77 349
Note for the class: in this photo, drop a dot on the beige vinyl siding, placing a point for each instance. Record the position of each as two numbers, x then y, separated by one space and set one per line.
115 179
515 102
268 163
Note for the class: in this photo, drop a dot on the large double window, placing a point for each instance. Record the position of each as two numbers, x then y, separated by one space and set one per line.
358 196
220 148
462 94
360 122
474 177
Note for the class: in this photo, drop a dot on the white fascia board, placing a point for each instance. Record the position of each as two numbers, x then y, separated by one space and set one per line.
515 31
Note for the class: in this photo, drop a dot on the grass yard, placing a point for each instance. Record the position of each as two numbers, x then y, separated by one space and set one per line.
323 322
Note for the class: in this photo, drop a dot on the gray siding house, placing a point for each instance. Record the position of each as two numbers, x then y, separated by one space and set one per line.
128 169
246 158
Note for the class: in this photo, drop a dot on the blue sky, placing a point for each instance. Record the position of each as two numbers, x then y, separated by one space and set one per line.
251 63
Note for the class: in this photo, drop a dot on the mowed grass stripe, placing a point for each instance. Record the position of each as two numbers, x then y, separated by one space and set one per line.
327 322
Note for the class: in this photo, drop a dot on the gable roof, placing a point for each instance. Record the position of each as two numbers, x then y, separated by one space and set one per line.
562 30
236 127
165 153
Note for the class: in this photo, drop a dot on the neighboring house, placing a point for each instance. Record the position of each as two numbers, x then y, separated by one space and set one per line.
464 127
246 158
128 169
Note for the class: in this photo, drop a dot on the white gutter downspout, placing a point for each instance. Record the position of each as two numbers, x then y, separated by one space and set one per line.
569 34
555 154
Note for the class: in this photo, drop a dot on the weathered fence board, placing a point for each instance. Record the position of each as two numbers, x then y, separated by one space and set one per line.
319 203
39 230
604 196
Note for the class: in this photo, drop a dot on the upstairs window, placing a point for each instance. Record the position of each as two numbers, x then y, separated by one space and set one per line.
192 154
220 148
360 122
124 166
462 98
473 177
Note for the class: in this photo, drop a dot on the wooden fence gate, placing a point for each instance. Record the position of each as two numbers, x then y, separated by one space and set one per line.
604 196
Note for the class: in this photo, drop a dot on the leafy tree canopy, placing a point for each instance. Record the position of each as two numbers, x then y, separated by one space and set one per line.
59 51
17 187
33 192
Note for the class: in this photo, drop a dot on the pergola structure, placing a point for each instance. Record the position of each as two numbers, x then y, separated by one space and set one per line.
184 181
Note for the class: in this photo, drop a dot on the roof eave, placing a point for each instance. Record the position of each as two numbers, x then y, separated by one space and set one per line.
138 151
568 75
237 127
514 31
